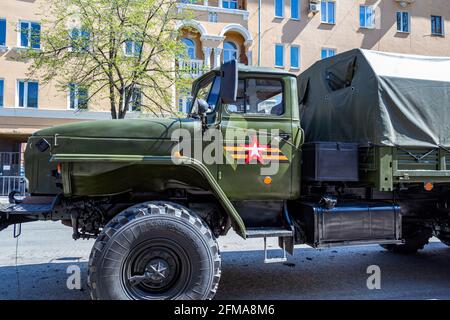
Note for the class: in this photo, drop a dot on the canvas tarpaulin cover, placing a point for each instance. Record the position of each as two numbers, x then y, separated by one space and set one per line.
377 98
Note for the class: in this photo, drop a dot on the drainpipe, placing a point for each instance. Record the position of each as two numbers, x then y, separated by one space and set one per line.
259 33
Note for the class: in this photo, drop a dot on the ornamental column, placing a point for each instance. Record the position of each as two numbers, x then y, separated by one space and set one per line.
207 57
217 53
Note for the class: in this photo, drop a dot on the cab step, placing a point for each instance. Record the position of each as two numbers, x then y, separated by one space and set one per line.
268 232
285 241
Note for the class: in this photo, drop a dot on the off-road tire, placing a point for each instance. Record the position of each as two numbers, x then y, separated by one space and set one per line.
444 237
143 225
415 237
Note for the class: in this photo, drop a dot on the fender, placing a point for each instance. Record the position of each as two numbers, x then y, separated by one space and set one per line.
159 160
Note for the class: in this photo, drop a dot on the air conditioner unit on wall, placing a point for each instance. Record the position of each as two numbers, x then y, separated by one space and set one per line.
314 7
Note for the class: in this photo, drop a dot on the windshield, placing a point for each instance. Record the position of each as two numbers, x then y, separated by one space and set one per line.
209 91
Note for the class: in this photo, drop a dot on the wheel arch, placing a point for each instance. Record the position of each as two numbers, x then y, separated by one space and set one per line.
68 160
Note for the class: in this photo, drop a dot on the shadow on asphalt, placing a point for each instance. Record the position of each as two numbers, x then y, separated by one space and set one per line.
310 274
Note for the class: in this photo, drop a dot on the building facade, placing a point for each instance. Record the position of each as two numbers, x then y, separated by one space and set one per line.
287 34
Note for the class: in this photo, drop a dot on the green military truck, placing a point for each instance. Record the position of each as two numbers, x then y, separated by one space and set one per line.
362 153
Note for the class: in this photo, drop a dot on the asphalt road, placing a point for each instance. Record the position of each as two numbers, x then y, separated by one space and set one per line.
45 251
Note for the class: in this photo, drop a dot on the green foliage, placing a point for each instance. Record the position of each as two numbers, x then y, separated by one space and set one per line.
112 47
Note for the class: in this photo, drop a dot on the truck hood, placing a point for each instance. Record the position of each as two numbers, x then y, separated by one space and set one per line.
159 128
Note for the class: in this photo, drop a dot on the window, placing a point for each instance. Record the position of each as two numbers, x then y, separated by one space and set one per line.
437 25
366 17
2 32
79 39
29 35
230 4
279 8
2 91
212 17
27 94
190 47
402 21
327 52
327 11
135 103
279 55
78 97
295 57
230 51
259 96
295 9
132 48
184 103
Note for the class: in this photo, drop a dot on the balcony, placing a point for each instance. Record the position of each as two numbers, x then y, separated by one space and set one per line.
192 68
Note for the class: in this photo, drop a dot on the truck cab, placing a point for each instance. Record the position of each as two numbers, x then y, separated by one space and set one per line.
264 116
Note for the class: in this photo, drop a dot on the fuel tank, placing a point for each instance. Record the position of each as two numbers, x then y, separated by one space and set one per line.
350 223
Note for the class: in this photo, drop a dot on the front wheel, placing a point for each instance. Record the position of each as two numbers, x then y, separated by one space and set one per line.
155 250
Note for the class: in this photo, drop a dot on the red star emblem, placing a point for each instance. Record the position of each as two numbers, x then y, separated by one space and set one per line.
254 151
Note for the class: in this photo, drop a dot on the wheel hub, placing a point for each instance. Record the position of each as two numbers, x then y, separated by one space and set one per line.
157 270
154 270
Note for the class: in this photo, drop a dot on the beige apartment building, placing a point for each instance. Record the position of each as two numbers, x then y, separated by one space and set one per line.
287 34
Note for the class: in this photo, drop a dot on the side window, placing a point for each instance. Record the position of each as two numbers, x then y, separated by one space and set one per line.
259 96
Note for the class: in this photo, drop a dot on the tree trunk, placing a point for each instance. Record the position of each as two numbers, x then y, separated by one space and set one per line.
112 99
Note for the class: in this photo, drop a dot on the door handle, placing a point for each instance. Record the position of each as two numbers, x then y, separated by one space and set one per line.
285 136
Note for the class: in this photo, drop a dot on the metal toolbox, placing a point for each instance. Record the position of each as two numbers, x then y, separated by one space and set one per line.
330 161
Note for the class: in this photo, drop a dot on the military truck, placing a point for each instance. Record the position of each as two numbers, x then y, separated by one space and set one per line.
363 155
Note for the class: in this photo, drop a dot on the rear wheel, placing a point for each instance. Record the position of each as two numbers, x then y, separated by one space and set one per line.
415 237
444 235
155 250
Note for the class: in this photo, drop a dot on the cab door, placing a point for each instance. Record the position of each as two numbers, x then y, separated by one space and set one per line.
258 140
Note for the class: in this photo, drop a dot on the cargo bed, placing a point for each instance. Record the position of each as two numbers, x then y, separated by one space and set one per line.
386 166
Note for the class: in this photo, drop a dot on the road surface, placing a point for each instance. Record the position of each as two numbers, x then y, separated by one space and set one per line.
45 251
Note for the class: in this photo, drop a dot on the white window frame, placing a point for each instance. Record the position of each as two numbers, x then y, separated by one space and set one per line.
71 49
76 102
130 109
184 102
213 17
230 1
299 55
442 26
283 55
134 53
328 49
19 32
6 32
223 50
194 47
25 93
2 103
409 21
372 23
327 13
275 9
299 8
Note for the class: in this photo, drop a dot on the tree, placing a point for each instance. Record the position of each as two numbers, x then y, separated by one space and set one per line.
120 50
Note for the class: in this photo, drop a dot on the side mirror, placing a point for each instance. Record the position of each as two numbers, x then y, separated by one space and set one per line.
229 83
202 106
